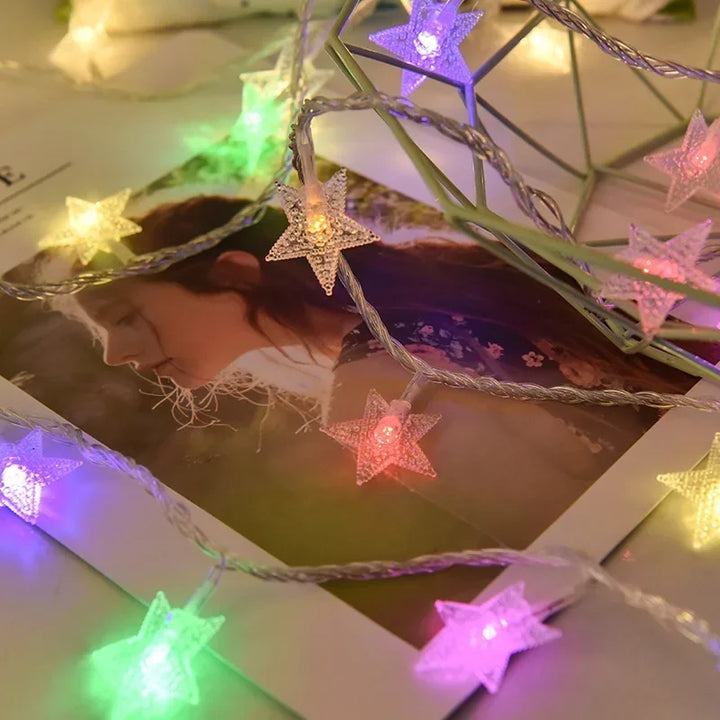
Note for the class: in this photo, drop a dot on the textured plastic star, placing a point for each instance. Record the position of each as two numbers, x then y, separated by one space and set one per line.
703 488
321 232
266 104
25 471
381 439
674 260
95 227
430 41
694 165
273 83
478 640
153 669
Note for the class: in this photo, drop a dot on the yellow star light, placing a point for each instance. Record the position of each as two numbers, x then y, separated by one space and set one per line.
703 488
95 227
319 230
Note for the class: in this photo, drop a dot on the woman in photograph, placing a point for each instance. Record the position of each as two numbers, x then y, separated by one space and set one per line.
228 311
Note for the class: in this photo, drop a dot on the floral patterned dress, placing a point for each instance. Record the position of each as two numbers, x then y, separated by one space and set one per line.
467 344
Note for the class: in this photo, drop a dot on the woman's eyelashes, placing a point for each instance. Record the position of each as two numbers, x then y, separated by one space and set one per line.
127 319
124 318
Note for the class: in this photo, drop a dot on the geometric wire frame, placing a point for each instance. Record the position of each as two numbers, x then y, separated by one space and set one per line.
515 240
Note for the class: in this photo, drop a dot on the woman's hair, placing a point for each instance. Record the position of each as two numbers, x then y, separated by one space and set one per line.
432 275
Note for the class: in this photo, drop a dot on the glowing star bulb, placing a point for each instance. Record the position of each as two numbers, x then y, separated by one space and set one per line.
702 487
252 120
675 259
24 472
478 640
388 430
695 165
427 44
386 436
701 158
95 227
318 228
662 267
151 670
430 41
317 223
21 492
87 35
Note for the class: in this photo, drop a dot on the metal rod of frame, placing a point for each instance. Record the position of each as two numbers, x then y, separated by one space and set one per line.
579 106
514 239
533 21
527 138
645 80
468 98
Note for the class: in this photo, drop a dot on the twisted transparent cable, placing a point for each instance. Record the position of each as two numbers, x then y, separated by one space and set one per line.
526 197
179 515
164 258
618 49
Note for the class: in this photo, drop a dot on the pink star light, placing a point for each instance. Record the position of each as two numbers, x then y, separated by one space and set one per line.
675 259
386 435
694 165
478 640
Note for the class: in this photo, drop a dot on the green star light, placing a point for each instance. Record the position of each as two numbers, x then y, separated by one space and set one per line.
154 666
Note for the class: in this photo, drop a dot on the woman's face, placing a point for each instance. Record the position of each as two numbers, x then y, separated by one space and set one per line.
162 327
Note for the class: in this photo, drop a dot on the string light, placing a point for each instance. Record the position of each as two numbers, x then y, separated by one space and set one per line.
25 472
387 435
150 664
478 640
695 165
389 429
675 259
95 227
702 487
266 105
151 671
430 40
319 228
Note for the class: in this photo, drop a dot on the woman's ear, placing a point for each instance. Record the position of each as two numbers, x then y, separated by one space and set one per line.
235 269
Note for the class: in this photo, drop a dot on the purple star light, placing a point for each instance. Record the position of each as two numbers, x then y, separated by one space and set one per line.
430 41
24 472
478 640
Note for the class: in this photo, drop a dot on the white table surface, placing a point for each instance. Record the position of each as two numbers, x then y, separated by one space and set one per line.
612 661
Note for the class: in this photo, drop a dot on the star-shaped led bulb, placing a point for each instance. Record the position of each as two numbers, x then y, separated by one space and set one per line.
25 471
478 640
265 117
152 669
266 89
675 259
319 228
695 165
702 487
430 41
95 227
387 435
